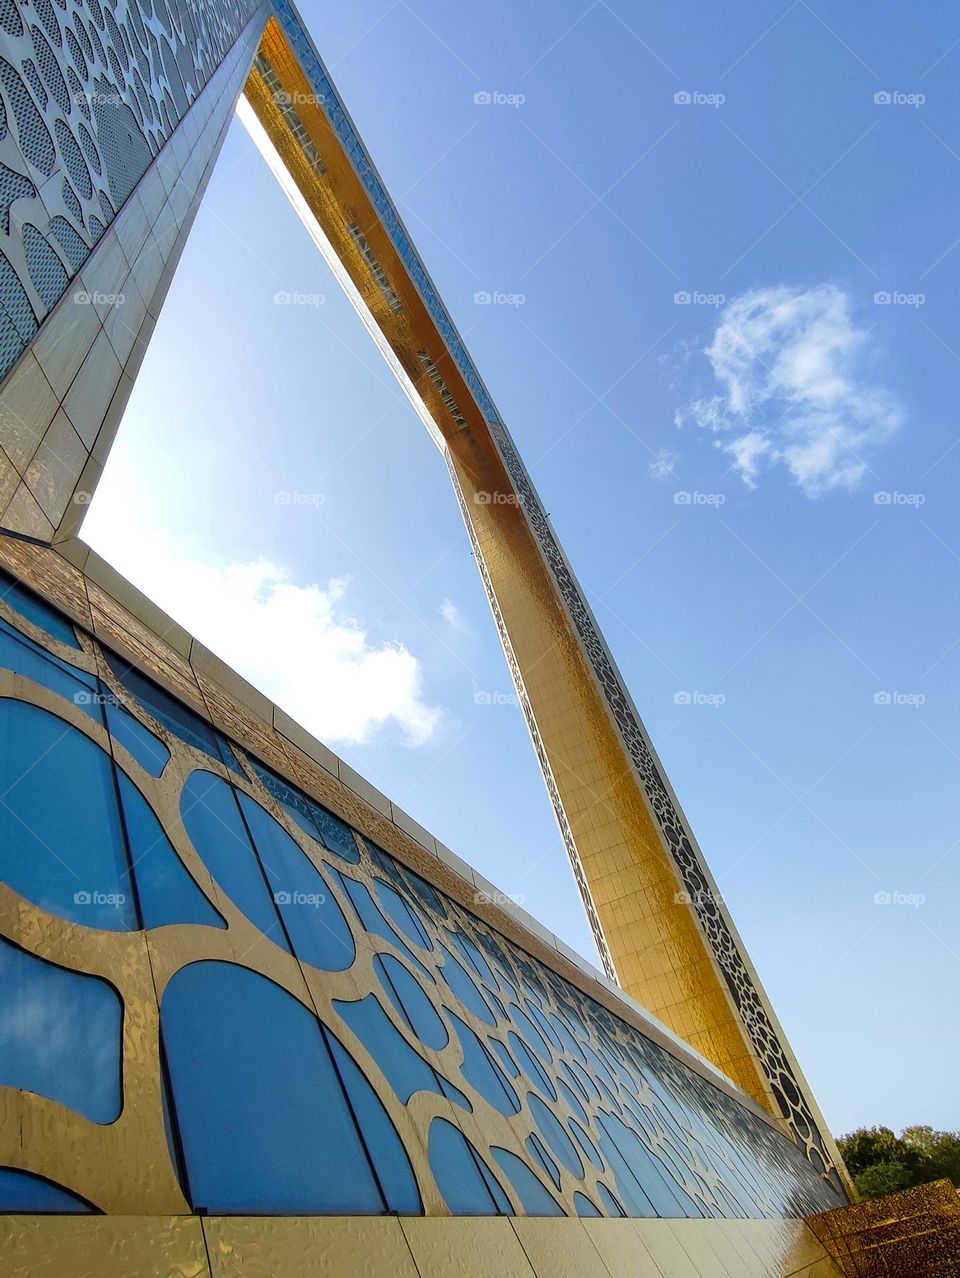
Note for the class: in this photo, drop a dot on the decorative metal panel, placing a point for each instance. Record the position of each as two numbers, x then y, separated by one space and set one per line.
445 1035
89 94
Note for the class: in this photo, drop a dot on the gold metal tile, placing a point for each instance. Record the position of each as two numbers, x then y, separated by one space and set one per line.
102 1247
466 1247
307 1247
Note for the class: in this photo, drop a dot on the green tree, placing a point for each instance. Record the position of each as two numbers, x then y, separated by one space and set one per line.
882 1178
880 1161
940 1151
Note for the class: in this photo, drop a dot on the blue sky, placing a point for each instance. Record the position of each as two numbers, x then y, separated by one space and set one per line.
756 486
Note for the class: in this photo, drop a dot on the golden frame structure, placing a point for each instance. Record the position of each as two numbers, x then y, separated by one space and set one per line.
661 926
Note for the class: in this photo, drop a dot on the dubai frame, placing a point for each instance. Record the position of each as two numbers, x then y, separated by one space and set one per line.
464 1044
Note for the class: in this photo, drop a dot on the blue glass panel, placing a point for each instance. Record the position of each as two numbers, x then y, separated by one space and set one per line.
263 1119
22 1192
212 819
405 1070
335 834
291 800
482 1072
464 987
584 1206
401 914
60 838
668 1199
373 920
385 1147
410 1000
314 921
639 1178
585 1143
148 750
545 1027
474 958
581 1080
37 610
537 1151
531 1066
568 1040
24 657
506 1060
534 1197
173 714
611 1206
165 889
310 816
60 1034
427 893
573 1100
466 1183
533 1036
555 1136
228 756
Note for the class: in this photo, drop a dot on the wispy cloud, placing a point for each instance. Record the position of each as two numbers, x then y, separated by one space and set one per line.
795 388
296 642
450 613
663 465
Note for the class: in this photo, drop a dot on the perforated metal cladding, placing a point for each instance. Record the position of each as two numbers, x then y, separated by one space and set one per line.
74 248
9 18
46 269
93 92
12 187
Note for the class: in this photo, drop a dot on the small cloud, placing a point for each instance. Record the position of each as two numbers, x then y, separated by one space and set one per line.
663 465
794 389
450 613
296 643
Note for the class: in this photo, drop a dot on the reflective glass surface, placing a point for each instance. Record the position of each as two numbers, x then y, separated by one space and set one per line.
211 816
59 1034
314 921
263 1119
61 843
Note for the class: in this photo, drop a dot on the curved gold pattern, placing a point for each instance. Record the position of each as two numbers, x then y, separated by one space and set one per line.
125 1167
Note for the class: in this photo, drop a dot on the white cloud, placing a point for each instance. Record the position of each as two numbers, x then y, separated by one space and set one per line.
295 643
795 388
450 613
663 464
